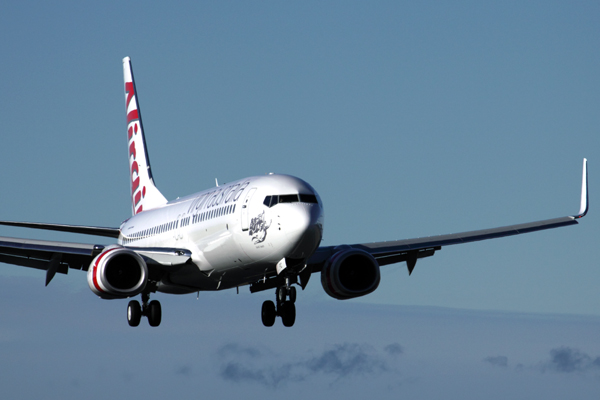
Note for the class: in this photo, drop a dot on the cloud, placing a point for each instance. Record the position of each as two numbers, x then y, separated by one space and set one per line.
238 372
393 349
520 367
238 350
567 360
251 364
497 361
562 359
347 359
184 370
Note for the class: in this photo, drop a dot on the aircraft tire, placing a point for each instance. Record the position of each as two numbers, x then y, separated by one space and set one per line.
292 294
268 313
154 313
134 313
288 313
281 294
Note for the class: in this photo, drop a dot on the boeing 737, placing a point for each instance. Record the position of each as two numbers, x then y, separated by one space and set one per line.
263 232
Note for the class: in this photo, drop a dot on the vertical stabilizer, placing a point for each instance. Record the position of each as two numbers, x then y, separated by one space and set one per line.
144 195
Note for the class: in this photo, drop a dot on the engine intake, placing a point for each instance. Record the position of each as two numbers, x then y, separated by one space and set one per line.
349 274
117 273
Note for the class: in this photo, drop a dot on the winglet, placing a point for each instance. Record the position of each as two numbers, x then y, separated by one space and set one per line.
583 209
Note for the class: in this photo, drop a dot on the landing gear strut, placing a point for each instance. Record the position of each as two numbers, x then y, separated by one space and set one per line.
286 309
151 310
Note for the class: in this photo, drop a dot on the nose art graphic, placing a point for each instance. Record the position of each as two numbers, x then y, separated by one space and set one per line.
258 228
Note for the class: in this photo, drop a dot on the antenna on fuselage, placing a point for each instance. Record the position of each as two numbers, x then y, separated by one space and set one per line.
216 182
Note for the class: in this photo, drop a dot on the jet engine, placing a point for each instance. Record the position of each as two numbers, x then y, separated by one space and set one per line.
117 273
350 273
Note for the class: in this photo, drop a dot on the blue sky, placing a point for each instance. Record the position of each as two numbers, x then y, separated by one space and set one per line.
409 120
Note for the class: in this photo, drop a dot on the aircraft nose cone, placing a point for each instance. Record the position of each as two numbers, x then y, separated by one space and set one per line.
304 225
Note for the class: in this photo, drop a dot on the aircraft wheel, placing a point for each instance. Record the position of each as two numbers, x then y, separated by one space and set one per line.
154 313
268 313
134 313
281 294
288 313
292 294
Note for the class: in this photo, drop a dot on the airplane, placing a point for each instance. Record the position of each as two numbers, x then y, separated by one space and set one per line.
263 232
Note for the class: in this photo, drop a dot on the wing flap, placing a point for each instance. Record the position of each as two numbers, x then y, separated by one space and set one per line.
39 253
28 262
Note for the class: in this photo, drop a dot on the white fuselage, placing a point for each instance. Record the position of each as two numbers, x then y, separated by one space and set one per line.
237 233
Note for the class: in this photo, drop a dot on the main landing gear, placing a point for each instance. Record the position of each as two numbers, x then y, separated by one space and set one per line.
286 309
151 310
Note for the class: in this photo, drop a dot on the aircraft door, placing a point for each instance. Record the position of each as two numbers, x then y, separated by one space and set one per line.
245 216
177 232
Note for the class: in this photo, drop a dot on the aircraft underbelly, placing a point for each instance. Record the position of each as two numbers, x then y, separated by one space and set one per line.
187 280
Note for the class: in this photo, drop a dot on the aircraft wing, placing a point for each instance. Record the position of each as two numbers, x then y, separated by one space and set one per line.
58 257
86 230
410 250
48 255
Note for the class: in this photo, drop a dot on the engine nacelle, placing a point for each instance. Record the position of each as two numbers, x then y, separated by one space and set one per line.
350 273
117 273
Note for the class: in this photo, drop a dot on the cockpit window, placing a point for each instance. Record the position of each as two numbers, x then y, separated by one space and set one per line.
308 198
270 201
288 198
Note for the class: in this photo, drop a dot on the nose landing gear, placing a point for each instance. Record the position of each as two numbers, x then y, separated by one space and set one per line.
286 309
151 310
